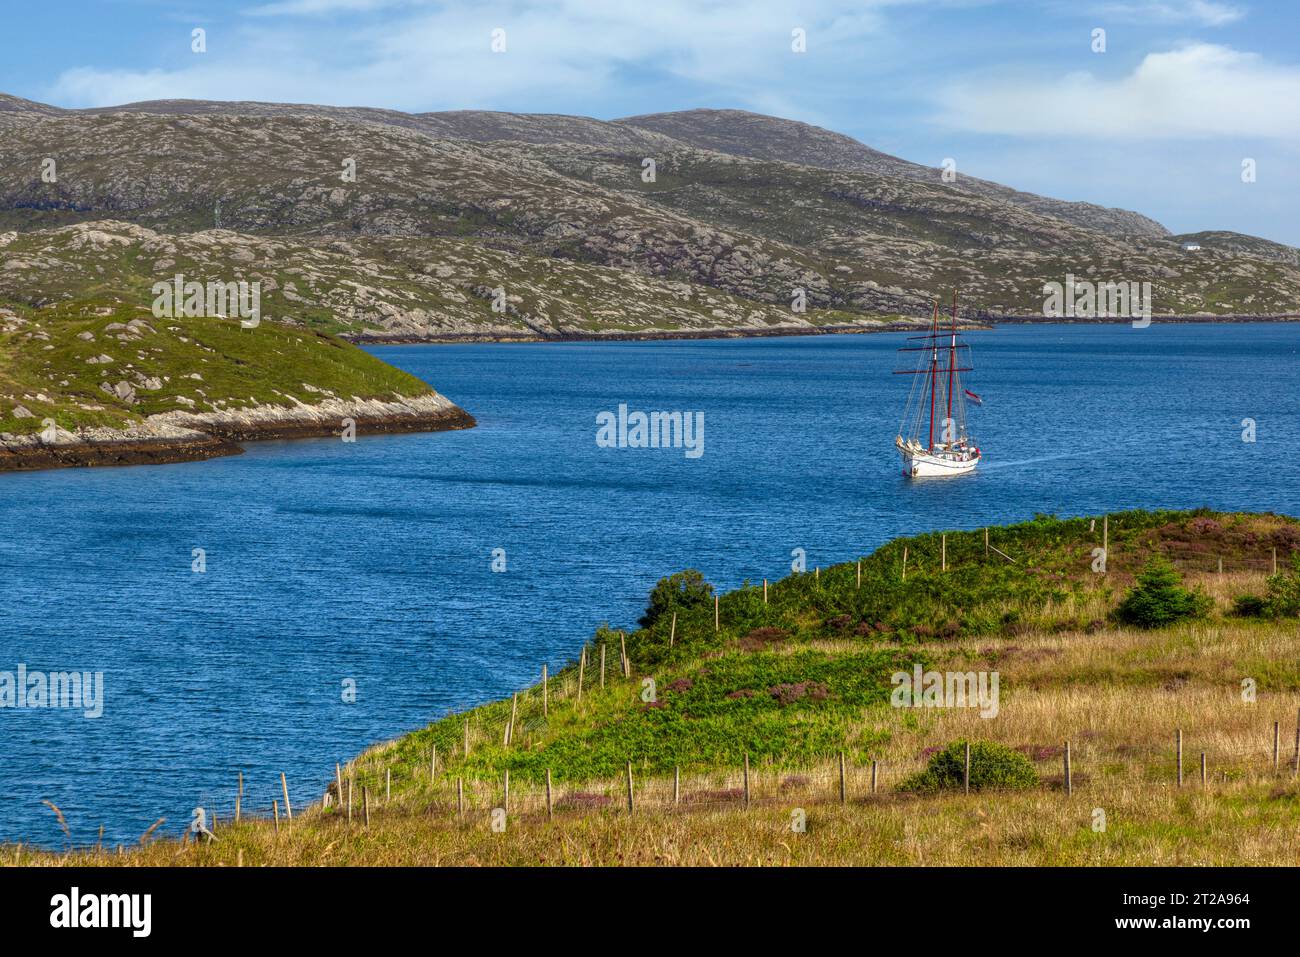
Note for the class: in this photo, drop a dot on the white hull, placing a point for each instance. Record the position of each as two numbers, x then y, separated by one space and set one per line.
937 404
918 463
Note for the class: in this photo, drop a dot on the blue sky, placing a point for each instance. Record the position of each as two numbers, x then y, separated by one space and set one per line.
1160 122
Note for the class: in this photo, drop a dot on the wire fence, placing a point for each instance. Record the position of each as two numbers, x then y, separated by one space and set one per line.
1074 766
1192 558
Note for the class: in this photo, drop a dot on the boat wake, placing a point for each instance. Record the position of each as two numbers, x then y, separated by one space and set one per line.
1076 453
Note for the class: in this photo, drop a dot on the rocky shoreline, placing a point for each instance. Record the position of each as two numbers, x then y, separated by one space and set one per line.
742 332
190 437
761 332
1195 318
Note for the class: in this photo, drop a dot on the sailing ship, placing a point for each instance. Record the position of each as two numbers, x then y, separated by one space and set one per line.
937 398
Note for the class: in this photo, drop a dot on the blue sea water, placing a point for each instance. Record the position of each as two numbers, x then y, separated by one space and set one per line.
372 561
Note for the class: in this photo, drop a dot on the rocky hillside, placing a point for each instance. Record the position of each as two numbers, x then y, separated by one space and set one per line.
385 287
512 225
767 137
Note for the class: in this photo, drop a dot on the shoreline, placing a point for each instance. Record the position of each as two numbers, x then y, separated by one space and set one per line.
740 332
173 437
986 323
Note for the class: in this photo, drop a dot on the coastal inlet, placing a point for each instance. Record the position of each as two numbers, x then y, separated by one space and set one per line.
372 562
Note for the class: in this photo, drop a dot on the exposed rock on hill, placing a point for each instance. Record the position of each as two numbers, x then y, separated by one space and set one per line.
578 241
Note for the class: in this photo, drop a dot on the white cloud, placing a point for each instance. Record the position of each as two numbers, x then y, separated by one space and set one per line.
1200 90
1206 13
312 8
422 56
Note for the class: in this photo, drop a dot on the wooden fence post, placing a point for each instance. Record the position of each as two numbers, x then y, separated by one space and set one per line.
622 648
1178 740
1275 561
1295 762
365 804
746 780
1105 535
466 738
764 591
843 790
582 668
288 811
514 711
631 805
275 809
546 694
338 782
433 763
715 613
549 812
1069 781
904 563
965 778
602 664
1203 775
350 780
874 769
505 790
388 786
672 631
460 797
859 573
677 785
239 796
1277 744
943 545
986 541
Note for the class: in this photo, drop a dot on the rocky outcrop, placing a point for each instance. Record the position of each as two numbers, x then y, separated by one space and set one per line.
187 437
147 443
426 413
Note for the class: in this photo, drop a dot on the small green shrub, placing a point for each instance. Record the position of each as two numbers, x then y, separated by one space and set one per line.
1250 606
1282 600
1159 598
680 592
1284 592
991 766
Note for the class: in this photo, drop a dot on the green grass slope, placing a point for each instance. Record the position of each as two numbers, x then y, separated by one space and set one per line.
793 680
65 362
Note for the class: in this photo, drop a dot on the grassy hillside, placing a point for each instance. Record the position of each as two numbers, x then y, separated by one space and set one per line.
793 682
88 364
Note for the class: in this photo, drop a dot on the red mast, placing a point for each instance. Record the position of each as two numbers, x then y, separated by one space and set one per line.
934 367
952 356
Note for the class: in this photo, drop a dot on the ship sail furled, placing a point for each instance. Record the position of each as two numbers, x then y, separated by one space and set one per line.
932 438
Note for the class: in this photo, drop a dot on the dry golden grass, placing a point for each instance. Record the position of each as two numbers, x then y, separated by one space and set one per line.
1146 823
